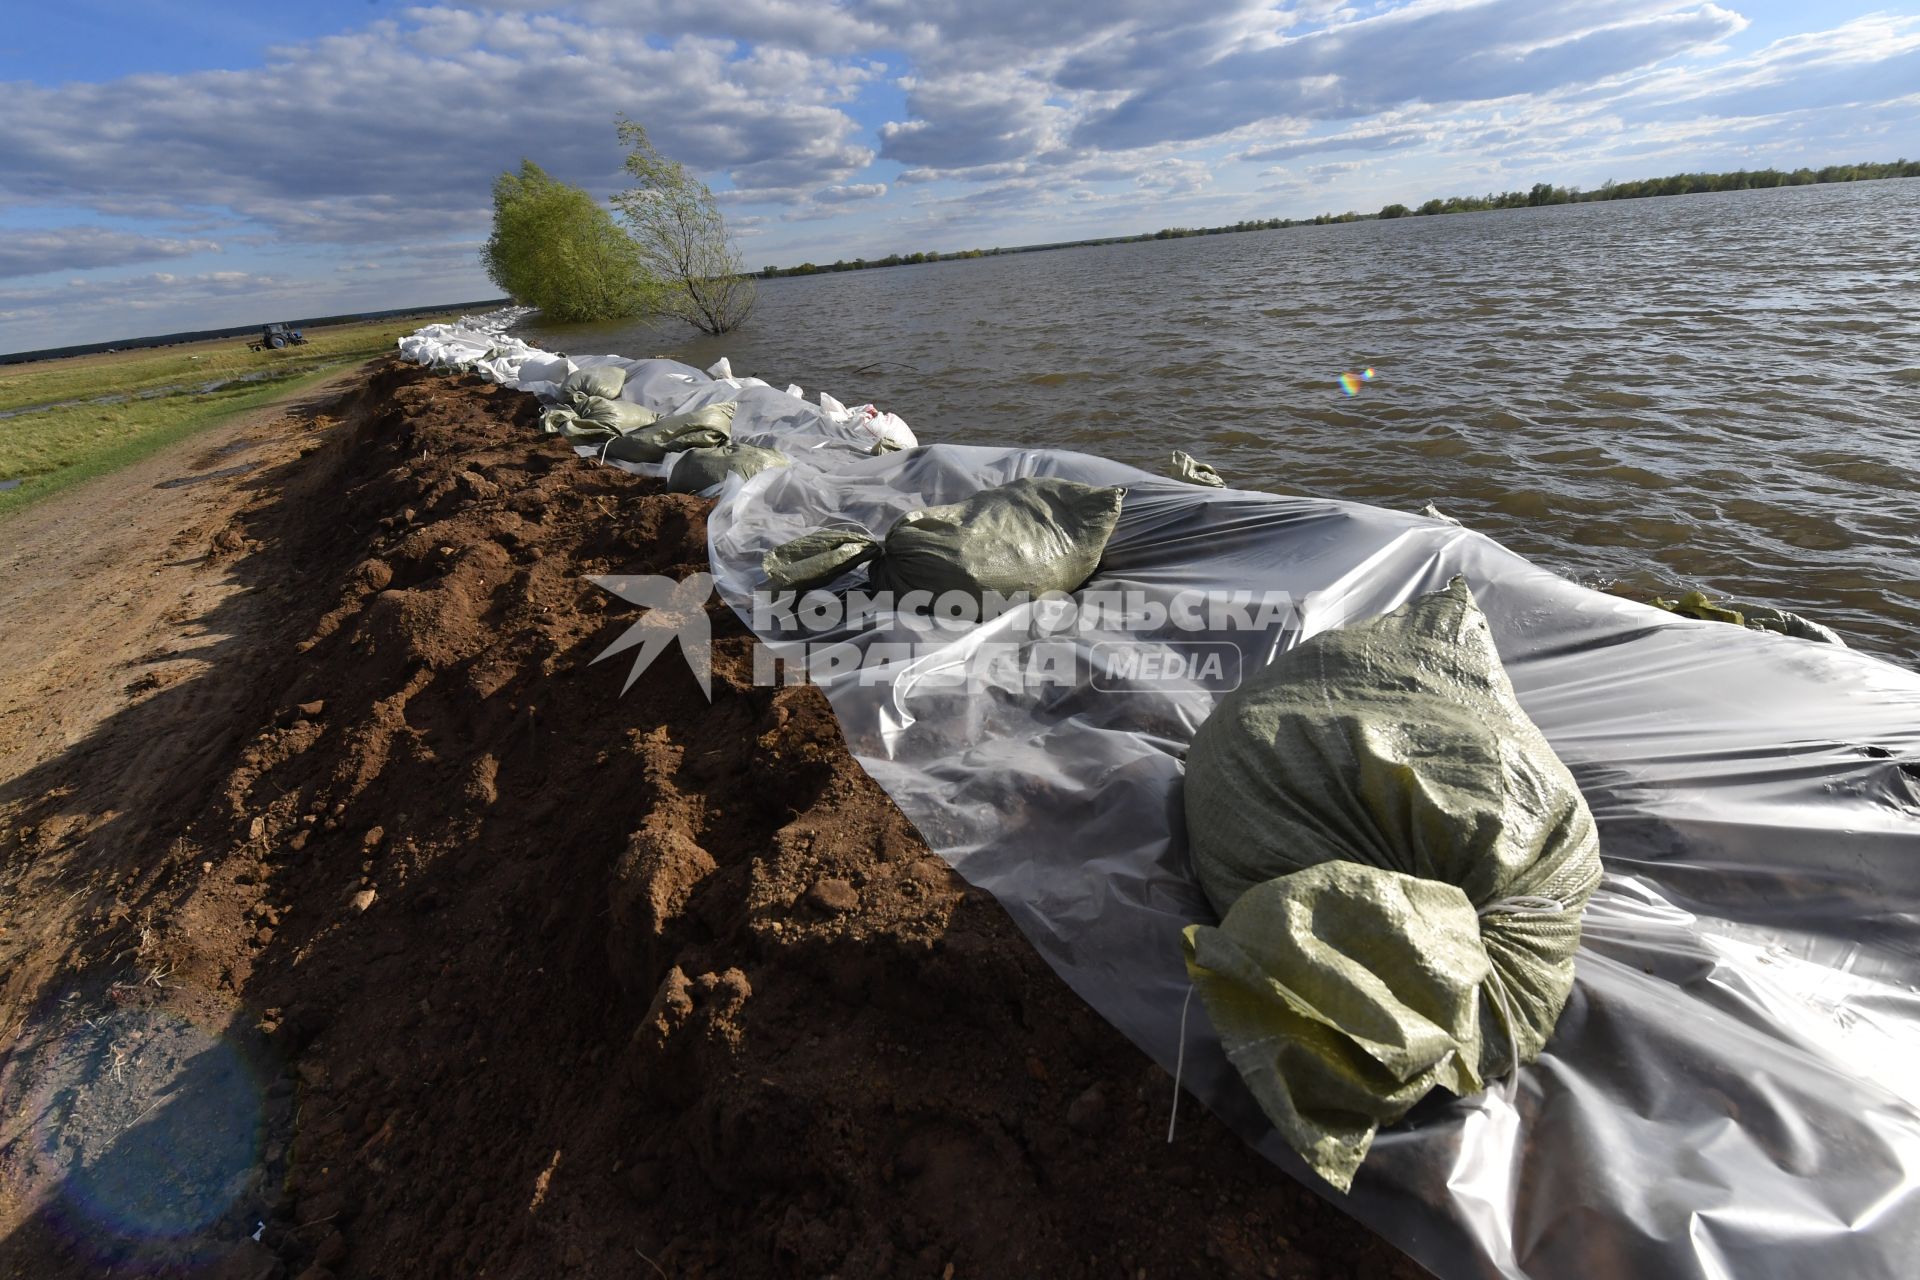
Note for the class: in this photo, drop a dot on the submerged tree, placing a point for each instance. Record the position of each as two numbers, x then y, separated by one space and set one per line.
554 247
676 222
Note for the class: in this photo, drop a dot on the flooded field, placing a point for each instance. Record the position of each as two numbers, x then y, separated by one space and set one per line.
1716 391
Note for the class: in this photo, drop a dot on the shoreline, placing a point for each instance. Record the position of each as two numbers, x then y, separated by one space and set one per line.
1542 194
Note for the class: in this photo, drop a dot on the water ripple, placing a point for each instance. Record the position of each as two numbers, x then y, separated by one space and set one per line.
1714 391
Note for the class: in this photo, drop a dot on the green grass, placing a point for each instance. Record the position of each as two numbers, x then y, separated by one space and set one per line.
89 376
54 449
90 448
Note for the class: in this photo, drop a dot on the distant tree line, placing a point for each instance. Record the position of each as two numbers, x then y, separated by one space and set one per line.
1165 233
1541 193
1678 184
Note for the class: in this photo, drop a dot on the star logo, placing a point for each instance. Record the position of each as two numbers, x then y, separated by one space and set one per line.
675 611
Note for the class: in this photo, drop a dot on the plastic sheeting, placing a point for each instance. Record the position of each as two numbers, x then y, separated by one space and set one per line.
1731 1090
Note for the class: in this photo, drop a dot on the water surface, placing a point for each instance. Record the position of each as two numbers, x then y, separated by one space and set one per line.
1718 391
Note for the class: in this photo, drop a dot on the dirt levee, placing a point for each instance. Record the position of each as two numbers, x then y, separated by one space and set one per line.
430 953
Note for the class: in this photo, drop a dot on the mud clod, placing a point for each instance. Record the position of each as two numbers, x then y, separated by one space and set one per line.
833 897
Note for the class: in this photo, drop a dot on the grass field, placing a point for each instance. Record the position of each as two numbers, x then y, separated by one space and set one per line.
154 398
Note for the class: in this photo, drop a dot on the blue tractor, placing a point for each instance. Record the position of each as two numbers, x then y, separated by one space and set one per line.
277 336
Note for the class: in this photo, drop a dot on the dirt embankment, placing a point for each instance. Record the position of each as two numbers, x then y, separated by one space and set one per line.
394 935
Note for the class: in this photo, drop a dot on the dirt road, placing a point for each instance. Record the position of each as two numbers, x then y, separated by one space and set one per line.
110 593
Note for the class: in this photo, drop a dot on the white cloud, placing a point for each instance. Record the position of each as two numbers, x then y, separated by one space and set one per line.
1175 177
155 291
406 123
1422 53
1324 172
38 250
1353 140
854 191
972 118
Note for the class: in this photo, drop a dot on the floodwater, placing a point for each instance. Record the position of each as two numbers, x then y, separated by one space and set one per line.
1718 391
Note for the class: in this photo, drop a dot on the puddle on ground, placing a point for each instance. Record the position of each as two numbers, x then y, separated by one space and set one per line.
14 483
185 482
142 1126
154 393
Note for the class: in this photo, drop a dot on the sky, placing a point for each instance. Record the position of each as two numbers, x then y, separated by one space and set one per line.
167 165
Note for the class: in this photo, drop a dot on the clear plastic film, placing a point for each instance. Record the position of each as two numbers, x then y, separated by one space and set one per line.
1732 1089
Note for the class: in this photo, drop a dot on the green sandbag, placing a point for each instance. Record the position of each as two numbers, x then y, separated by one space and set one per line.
590 407
605 382
707 428
1755 617
594 418
701 469
1764 617
1031 535
1400 861
1695 605
817 558
1184 466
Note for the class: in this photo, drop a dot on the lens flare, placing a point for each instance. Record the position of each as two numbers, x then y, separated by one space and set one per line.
1350 382
145 1125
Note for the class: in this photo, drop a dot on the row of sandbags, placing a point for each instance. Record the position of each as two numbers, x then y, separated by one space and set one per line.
695 448
598 398
1290 821
1398 858
1398 864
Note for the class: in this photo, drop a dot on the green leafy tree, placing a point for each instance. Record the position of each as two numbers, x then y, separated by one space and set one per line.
554 247
682 238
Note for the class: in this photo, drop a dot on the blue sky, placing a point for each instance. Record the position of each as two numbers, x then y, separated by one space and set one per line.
182 165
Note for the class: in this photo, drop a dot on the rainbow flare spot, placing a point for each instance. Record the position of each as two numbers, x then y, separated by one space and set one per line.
168 1171
1350 382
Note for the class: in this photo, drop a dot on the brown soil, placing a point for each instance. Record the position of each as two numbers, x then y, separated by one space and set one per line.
346 903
